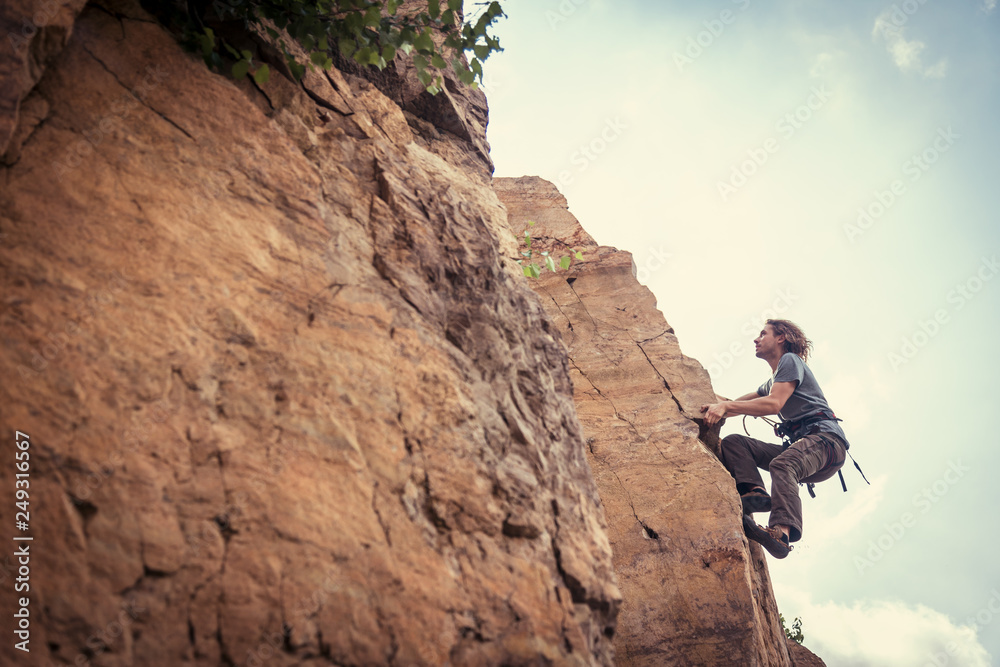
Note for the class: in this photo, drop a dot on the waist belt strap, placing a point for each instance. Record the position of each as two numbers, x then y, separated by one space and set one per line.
791 429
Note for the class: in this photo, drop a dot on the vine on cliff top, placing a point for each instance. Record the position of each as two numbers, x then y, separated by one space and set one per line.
795 634
370 32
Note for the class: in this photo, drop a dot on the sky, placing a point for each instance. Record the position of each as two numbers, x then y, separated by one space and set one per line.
833 164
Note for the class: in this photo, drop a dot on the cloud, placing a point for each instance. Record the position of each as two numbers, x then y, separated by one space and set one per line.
862 505
882 633
988 6
820 66
906 53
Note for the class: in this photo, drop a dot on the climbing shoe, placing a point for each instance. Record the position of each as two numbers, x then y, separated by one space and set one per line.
756 500
769 538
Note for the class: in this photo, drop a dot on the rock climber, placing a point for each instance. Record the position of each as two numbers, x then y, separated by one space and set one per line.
818 445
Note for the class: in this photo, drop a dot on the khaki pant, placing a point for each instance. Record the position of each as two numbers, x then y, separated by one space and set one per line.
812 458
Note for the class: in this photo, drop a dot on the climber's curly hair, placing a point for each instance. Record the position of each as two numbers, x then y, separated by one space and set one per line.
795 341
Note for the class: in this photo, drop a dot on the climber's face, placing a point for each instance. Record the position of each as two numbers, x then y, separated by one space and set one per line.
767 344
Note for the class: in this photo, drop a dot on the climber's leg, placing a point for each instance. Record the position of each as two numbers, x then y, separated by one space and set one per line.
805 457
742 456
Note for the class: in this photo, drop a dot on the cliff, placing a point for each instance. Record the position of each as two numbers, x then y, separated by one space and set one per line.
695 591
289 401
286 401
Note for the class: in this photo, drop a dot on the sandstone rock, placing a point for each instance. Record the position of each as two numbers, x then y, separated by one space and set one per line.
695 592
33 31
803 657
287 403
458 110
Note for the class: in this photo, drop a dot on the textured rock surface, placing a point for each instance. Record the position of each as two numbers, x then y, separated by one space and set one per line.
695 592
803 657
287 403
33 31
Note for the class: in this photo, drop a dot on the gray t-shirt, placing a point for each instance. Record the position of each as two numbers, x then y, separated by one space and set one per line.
807 398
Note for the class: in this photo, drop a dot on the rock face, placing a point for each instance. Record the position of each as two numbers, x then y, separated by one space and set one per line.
803 657
286 401
695 592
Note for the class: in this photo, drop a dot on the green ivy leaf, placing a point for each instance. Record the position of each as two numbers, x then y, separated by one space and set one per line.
531 223
207 40
240 69
371 32
550 264
579 254
347 47
363 55
262 75
564 262
423 42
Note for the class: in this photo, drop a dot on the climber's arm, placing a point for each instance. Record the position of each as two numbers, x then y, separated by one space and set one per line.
748 397
751 404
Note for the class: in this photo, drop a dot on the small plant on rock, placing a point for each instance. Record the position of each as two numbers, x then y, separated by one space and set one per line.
532 269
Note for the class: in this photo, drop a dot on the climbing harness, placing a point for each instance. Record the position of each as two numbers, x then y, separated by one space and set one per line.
789 431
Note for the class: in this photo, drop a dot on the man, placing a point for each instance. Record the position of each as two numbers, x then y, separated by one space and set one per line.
818 449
